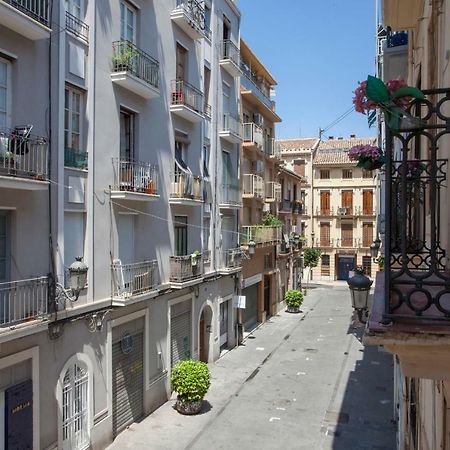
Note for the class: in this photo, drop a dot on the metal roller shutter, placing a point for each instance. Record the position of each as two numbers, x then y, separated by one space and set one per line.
127 383
180 336
251 306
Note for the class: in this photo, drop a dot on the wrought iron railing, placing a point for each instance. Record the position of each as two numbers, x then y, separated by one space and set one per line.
253 134
230 52
36 9
324 242
184 185
231 195
286 205
23 300
253 186
195 11
129 58
185 268
135 176
22 155
232 258
273 191
299 208
77 27
260 234
261 89
231 124
134 279
348 242
325 211
185 94
75 158
417 279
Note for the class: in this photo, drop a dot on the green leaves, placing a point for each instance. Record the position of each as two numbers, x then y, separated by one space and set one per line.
293 298
190 379
408 91
376 90
311 257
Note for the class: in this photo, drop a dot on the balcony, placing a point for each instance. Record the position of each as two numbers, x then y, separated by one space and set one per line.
348 211
230 58
29 18
75 159
273 192
261 234
186 271
324 243
325 212
231 129
253 136
189 15
23 160
401 14
23 301
272 148
299 208
348 242
77 27
285 206
187 101
366 212
230 197
134 180
253 187
185 189
135 70
231 262
134 282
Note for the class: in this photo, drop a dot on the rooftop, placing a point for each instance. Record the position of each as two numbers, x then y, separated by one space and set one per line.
335 151
298 145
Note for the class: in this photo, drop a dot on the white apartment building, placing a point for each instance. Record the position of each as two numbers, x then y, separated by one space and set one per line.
117 122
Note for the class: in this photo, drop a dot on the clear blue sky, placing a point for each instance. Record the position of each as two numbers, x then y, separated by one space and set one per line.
317 51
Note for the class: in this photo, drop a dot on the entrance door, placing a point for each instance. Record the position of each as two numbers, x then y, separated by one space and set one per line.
345 264
250 313
267 296
203 354
223 325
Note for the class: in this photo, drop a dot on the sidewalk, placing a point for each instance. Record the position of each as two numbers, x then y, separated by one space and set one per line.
167 429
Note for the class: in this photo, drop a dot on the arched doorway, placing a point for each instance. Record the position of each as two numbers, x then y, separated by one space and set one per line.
205 333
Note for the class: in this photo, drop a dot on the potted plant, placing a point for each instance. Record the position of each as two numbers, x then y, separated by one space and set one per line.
190 380
381 263
294 300
369 157
393 98
124 57
195 258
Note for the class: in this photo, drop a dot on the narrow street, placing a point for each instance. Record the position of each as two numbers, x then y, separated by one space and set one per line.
300 382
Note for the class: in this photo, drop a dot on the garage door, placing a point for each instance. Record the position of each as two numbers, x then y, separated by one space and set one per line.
251 306
128 380
180 332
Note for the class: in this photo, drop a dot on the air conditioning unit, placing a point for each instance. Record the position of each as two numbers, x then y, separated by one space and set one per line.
342 211
258 119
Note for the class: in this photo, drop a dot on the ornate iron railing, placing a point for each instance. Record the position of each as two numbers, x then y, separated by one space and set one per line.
184 185
77 27
416 266
135 176
185 268
36 9
129 58
194 11
260 234
23 300
185 94
230 52
134 279
75 158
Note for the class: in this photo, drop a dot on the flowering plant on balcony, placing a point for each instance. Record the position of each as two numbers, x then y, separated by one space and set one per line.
392 97
369 157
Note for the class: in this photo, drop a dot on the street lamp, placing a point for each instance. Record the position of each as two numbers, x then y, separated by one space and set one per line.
359 286
77 281
250 250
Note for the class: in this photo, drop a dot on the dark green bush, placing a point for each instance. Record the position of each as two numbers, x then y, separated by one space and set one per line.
293 298
190 379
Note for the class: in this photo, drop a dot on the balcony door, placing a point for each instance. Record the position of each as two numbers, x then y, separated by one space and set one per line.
324 234
181 235
325 202
126 136
367 234
347 200
347 234
125 231
181 68
228 233
5 95
367 202
75 7
127 22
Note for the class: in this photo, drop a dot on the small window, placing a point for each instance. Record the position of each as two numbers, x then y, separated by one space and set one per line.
73 101
347 174
324 174
367 173
127 22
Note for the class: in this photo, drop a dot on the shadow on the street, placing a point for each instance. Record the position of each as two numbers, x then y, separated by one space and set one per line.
364 419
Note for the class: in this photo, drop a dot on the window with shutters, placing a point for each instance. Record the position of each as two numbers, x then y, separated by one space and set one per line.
347 201
325 203
324 234
347 174
75 407
367 265
367 234
347 235
367 202
324 174
325 265
181 235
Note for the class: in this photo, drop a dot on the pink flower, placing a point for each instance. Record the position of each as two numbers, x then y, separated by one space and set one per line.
361 101
364 151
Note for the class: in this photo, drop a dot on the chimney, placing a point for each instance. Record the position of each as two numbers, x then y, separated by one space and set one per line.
340 138
352 136
330 137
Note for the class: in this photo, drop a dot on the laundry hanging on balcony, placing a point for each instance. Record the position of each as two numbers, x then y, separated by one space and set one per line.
184 177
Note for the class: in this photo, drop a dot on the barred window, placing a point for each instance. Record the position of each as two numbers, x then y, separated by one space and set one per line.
347 174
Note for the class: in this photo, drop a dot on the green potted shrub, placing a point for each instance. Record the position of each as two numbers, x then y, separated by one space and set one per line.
294 300
190 380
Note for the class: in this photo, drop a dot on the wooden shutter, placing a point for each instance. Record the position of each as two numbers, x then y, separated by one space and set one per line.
347 200
367 202
325 203
324 234
347 234
367 234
